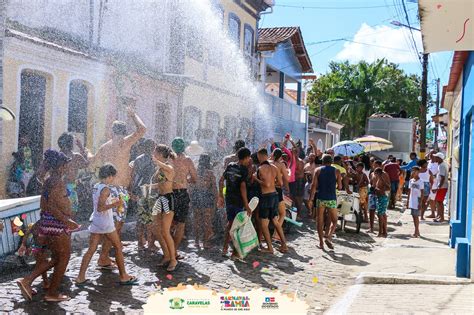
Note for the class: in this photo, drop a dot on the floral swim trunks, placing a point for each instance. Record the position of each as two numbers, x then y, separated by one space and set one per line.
72 195
145 209
382 203
331 204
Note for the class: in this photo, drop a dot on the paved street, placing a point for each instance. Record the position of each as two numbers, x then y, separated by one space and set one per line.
293 271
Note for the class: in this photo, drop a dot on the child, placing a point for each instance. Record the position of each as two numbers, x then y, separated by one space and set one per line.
102 224
361 185
416 187
39 250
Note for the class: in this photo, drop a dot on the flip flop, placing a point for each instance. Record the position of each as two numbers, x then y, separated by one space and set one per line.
60 298
107 267
180 257
329 244
83 283
26 294
283 250
172 268
132 281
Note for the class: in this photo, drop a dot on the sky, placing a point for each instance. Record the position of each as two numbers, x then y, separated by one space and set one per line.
366 26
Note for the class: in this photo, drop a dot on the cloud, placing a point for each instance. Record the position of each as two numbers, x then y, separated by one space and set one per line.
393 44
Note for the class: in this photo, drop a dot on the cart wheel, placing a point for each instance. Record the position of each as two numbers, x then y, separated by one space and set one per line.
359 219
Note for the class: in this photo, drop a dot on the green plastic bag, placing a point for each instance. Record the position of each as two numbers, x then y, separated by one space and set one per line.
244 236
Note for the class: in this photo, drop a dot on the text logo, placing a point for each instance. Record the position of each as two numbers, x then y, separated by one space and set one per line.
198 303
270 303
235 303
176 303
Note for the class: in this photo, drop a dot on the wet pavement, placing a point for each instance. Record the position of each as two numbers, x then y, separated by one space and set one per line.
319 277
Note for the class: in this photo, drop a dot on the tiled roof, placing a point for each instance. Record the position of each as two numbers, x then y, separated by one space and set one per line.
269 38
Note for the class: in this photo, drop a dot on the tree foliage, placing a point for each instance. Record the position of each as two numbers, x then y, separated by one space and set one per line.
349 93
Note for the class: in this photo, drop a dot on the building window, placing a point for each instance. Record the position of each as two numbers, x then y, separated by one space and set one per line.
319 145
231 126
248 40
234 28
213 120
218 11
77 111
194 45
192 123
31 120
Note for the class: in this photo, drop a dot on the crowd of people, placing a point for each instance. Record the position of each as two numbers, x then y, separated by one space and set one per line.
164 185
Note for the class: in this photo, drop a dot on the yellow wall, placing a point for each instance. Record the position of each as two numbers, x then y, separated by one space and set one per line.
59 69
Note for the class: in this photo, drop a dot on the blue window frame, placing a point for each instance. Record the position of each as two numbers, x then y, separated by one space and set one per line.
249 39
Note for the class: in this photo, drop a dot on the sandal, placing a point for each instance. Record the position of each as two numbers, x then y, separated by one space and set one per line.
111 266
172 268
132 281
180 257
59 298
83 283
329 244
24 291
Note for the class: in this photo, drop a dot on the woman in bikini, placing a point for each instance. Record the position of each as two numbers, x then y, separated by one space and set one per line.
102 225
163 210
55 226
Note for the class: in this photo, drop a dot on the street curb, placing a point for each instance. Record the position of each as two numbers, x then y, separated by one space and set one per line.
403 278
81 237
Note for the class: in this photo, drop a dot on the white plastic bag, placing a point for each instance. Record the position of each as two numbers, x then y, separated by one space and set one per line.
243 234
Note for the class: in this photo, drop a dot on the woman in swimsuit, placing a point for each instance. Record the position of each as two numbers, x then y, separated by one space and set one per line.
56 225
163 211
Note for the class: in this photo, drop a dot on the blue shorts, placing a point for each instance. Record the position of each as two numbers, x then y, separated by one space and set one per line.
232 212
415 212
394 186
372 202
382 203
426 189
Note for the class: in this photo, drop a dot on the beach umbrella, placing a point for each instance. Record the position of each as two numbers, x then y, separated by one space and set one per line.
348 148
372 143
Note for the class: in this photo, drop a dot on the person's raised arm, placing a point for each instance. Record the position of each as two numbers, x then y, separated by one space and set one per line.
140 126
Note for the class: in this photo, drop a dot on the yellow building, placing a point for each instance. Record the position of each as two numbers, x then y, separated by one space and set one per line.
214 102
50 89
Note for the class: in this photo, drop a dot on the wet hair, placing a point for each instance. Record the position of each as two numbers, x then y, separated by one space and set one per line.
378 162
148 146
255 158
277 153
422 162
378 170
360 164
204 162
165 151
238 145
366 160
337 158
119 128
243 153
53 159
415 168
413 154
393 160
327 159
107 170
263 151
66 141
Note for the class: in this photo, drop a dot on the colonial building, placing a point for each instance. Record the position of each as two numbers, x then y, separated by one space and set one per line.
324 132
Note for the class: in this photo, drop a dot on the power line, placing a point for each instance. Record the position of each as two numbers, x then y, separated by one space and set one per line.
409 26
329 8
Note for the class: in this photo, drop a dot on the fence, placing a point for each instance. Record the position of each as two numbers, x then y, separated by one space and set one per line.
27 209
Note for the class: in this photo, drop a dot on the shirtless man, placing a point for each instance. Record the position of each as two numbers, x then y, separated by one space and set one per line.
233 157
308 170
117 152
78 161
277 160
267 176
300 183
381 182
185 174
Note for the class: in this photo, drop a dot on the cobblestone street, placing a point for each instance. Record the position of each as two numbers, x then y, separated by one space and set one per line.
319 277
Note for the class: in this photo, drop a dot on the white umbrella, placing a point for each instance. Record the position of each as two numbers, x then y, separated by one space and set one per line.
348 148
372 143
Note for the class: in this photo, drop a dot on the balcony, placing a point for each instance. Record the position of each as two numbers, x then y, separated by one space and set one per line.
286 117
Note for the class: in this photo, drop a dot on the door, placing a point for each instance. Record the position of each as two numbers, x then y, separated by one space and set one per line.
31 121
77 112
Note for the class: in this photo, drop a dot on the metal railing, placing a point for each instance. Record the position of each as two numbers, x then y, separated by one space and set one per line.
281 108
27 209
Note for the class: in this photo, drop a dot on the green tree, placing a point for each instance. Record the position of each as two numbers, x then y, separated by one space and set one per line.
349 93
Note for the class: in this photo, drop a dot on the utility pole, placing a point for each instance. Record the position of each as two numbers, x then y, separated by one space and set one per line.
423 105
437 113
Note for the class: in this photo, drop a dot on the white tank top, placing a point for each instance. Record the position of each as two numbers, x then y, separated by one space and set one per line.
102 222
425 177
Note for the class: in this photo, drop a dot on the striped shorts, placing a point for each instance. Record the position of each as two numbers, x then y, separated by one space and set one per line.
164 203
